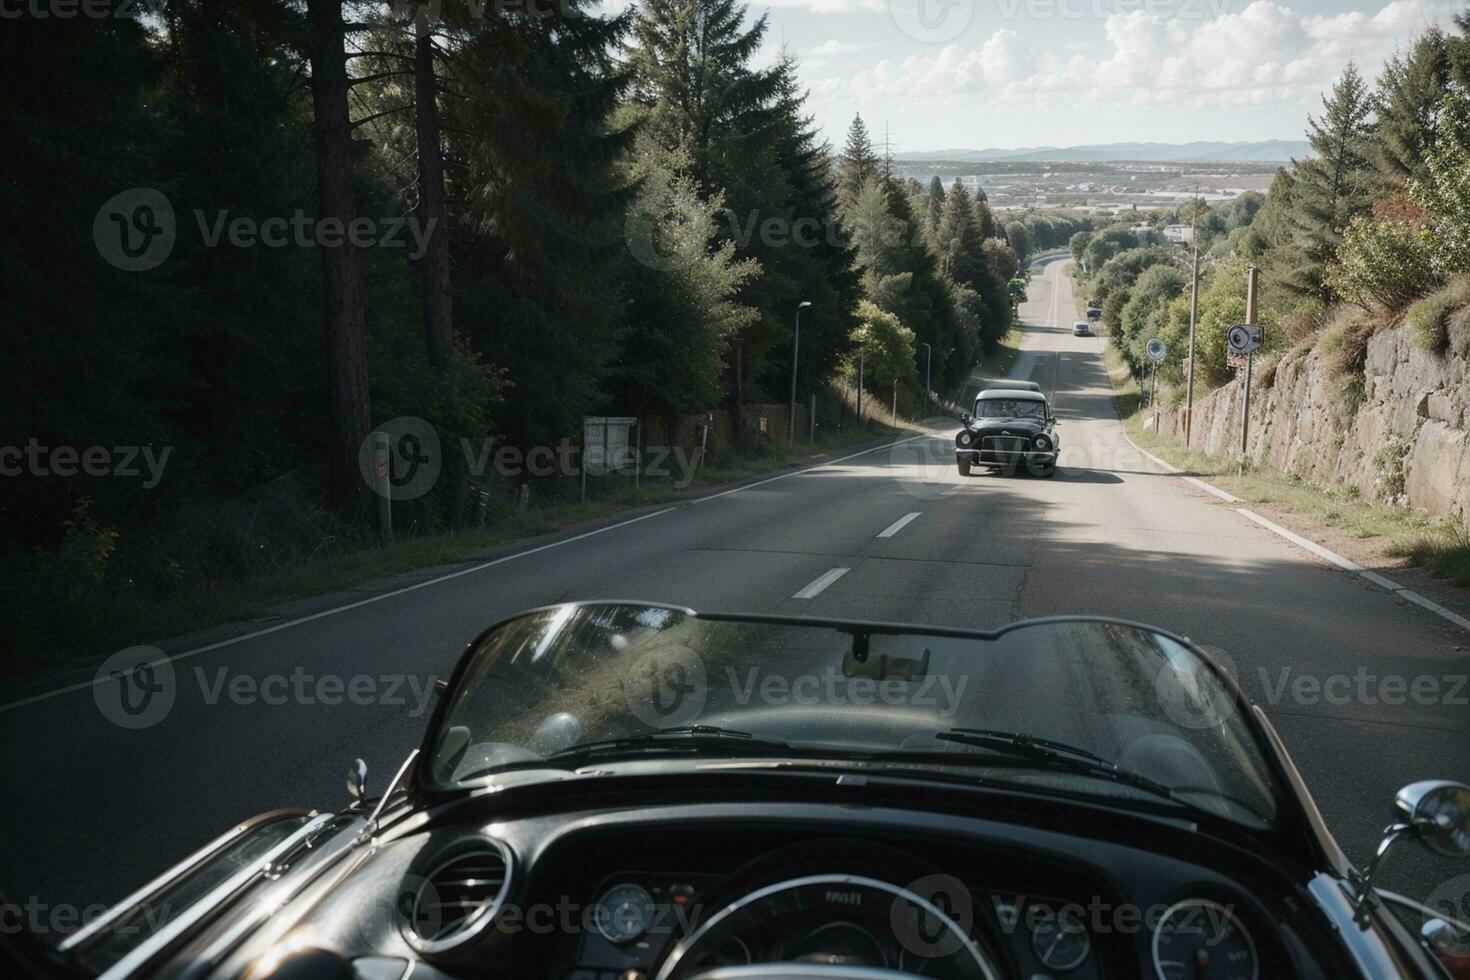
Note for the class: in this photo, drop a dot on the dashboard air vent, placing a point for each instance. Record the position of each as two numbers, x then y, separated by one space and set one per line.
460 895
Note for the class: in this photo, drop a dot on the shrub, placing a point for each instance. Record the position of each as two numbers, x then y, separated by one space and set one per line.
1383 263
1429 319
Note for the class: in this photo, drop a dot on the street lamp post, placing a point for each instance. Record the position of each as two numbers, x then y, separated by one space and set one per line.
795 346
928 374
1193 316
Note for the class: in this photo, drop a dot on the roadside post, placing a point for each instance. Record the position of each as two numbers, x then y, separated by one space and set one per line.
382 460
1157 350
862 352
1242 341
811 416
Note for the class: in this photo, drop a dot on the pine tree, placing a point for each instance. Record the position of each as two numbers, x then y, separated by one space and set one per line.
934 206
1332 188
1407 102
984 217
691 62
960 255
859 162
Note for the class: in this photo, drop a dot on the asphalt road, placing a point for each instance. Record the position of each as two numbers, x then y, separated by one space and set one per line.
93 808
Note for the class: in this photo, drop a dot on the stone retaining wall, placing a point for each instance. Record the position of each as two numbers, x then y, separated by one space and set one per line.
1404 439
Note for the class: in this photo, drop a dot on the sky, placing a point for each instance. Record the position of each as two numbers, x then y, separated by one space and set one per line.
975 74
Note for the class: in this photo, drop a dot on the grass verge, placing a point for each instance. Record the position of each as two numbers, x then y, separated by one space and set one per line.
120 621
997 363
1441 546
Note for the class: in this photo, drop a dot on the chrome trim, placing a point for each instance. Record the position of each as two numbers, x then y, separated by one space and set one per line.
172 875
165 937
370 829
268 904
1365 944
476 923
966 943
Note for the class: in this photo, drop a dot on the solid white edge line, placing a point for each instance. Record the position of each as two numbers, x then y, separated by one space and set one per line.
898 525
819 585
1435 608
1301 542
1387 584
171 658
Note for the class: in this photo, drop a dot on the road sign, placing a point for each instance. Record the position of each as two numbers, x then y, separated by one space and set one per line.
1156 350
1243 338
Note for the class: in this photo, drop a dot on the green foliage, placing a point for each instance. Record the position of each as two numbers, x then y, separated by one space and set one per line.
859 163
889 347
1410 88
1429 319
1444 189
1332 188
1384 263
1078 244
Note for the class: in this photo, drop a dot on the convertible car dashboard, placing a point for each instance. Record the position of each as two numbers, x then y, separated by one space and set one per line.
670 890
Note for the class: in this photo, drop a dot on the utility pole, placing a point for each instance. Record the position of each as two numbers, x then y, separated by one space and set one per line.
928 375
1250 317
1193 318
795 347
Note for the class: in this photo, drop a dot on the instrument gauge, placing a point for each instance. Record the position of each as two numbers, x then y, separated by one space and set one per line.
623 913
1198 939
1061 941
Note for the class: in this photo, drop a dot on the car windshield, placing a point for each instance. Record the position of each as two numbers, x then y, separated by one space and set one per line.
541 687
1009 408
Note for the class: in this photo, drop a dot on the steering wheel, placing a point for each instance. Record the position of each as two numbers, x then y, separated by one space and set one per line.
789 915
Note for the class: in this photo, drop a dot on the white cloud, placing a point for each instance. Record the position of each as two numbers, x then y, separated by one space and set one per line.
1266 53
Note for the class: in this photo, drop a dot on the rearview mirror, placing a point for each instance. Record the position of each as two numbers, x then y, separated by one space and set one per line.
1434 812
1439 813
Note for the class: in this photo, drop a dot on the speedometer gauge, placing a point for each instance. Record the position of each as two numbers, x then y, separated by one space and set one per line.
623 913
1198 939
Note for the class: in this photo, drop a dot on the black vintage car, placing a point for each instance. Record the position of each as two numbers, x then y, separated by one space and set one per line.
1012 426
633 791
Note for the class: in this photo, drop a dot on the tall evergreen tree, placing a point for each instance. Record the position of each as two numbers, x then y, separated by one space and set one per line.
1407 105
691 64
984 217
934 205
1333 187
859 162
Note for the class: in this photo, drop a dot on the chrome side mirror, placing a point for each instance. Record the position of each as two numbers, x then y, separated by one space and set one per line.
357 780
1434 812
1439 814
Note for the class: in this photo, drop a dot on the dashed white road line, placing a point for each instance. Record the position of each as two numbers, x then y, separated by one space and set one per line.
819 585
898 525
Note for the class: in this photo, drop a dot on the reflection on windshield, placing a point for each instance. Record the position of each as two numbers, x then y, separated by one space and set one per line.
1004 408
558 678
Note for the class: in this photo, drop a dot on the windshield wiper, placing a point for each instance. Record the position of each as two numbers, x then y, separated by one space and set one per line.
1052 755
694 738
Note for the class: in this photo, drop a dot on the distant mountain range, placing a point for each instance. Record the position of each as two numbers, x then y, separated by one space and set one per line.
1266 151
